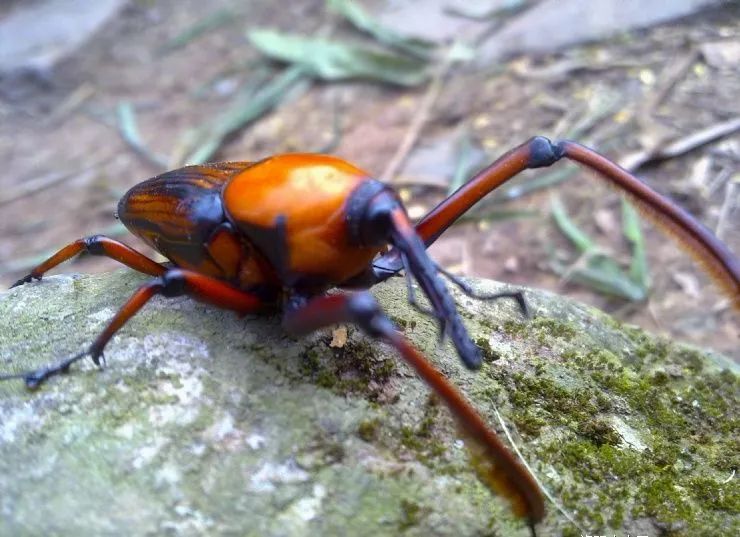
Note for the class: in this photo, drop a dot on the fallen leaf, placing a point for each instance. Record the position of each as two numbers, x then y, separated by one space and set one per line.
722 54
688 283
339 337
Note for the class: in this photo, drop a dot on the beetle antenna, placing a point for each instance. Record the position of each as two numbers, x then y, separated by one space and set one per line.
417 262
418 307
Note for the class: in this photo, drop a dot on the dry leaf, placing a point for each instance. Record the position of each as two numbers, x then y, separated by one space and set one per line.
688 283
722 54
339 337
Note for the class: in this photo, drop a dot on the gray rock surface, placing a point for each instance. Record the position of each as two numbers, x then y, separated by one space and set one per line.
35 36
205 423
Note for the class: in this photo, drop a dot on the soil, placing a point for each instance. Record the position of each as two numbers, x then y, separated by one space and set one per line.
60 134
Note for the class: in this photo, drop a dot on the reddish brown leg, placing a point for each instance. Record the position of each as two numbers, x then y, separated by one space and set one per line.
174 282
539 152
496 466
97 245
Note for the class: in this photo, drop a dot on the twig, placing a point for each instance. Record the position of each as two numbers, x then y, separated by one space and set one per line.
547 494
675 72
72 102
728 205
634 161
419 119
129 131
33 186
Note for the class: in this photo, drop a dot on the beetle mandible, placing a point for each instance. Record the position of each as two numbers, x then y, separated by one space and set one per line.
278 233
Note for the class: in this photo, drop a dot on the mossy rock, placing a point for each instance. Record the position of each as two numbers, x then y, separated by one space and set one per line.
206 423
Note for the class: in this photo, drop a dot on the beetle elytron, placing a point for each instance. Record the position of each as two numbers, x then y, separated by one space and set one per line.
278 233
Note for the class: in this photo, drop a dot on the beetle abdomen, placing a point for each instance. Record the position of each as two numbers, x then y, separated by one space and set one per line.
178 212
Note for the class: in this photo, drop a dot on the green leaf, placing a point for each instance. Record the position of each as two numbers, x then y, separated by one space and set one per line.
639 271
334 60
243 110
497 215
568 228
519 190
604 275
597 270
129 130
467 160
360 19
201 27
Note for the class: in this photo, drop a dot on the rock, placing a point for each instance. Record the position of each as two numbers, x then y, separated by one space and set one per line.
555 24
545 27
35 36
205 423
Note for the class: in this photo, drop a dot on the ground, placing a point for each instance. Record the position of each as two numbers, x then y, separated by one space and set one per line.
65 165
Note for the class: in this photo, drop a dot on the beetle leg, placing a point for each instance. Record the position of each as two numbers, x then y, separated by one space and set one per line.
97 245
496 466
172 283
540 152
467 290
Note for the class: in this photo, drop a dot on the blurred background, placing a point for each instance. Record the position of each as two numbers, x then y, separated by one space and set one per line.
97 95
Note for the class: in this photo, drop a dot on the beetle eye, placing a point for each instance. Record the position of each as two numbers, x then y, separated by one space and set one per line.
368 214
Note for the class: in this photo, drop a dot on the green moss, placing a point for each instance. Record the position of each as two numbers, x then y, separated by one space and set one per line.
514 328
723 496
559 405
599 432
368 429
489 354
350 369
403 323
528 423
549 327
410 514
617 517
422 439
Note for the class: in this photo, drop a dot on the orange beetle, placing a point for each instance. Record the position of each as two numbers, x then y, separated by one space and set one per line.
278 233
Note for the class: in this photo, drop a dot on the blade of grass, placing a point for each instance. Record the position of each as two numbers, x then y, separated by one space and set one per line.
603 275
243 111
638 271
546 180
206 24
596 269
334 60
567 227
467 160
129 130
336 132
497 215
360 19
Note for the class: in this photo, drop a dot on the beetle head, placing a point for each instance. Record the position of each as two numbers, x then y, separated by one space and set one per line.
377 217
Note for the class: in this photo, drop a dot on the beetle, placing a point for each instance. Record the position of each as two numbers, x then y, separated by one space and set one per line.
277 234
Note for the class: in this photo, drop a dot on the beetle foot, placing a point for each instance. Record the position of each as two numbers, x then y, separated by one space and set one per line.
34 379
26 279
468 291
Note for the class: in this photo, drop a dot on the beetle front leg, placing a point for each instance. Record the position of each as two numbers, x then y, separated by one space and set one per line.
496 466
173 283
96 245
